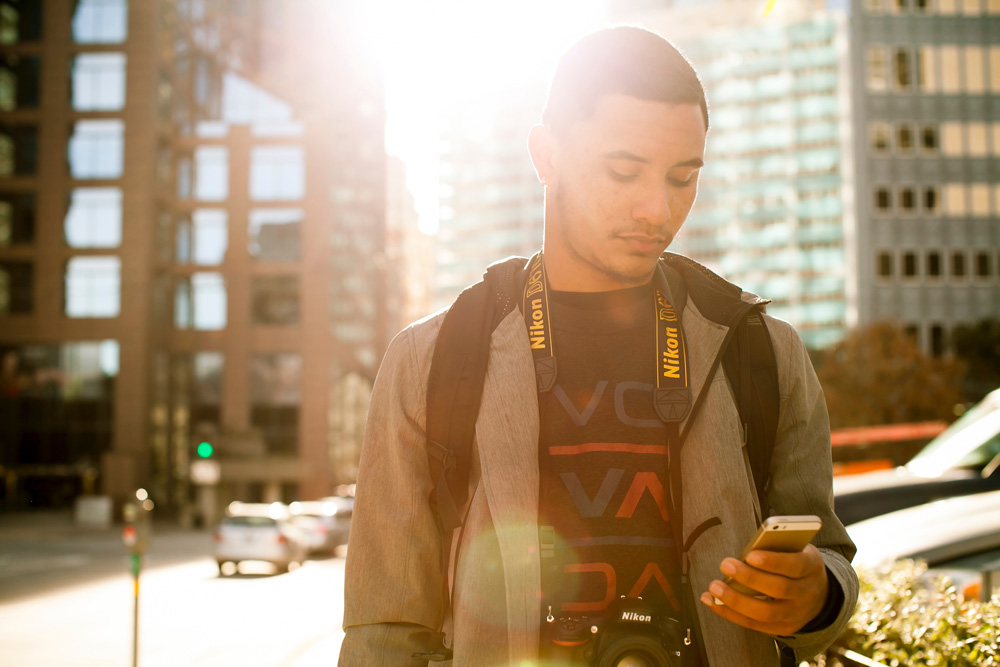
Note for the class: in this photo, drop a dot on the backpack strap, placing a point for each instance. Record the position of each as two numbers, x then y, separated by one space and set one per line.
752 370
455 385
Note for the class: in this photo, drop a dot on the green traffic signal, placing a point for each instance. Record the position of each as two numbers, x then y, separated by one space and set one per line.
205 450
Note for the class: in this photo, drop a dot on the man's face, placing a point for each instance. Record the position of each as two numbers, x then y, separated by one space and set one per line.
620 186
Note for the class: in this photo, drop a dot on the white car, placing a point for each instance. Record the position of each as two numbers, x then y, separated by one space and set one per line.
327 521
259 532
958 537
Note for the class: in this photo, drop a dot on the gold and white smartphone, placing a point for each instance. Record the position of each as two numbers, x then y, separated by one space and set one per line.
785 534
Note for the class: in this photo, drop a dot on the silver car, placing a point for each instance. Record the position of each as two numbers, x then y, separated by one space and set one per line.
258 532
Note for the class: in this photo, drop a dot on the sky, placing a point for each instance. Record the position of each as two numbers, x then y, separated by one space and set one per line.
440 51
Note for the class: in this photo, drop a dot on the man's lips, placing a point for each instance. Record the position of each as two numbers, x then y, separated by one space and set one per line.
644 242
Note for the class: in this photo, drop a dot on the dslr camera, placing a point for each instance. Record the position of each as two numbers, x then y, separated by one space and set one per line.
629 633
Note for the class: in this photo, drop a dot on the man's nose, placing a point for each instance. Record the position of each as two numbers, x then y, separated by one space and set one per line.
653 206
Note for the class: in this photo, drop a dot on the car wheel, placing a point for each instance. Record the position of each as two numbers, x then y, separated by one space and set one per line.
222 567
281 568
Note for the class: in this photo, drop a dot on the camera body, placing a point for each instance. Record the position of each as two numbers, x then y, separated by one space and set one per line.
629 633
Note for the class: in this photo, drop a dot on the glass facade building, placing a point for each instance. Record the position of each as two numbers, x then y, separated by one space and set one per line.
773 212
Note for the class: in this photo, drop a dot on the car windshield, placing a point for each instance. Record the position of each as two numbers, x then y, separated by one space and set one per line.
973 441
249 521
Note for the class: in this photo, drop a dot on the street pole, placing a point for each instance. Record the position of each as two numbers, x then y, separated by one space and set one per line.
136 536
136 565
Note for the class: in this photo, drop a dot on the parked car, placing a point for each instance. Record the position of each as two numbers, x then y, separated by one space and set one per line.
327 521
962 460
259 532
957 536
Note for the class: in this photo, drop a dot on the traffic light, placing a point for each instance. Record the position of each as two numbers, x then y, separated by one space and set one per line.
205 450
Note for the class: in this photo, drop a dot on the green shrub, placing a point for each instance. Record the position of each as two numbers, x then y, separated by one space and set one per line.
904 618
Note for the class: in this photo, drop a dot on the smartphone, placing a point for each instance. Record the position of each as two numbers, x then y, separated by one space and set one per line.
786 534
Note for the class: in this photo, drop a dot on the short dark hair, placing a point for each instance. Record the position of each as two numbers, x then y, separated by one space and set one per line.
625 60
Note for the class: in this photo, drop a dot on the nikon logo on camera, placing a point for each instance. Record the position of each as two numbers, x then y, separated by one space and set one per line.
632 616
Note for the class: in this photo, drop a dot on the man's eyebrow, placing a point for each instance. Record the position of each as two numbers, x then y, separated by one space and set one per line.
626 155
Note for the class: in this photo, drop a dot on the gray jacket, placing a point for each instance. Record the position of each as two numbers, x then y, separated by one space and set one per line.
394 566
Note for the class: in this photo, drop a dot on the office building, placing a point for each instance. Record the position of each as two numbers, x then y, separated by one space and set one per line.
189 209
927 141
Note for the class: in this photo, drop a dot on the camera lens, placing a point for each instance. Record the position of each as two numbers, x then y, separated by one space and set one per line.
634 660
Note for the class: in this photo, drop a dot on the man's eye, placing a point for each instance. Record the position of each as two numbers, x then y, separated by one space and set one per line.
621 177
681 183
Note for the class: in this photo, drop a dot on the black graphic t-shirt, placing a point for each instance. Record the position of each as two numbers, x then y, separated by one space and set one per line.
604 505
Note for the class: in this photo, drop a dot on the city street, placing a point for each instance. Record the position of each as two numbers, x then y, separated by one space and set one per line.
66 598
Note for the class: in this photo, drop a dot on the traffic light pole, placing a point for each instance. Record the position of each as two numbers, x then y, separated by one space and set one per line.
136 566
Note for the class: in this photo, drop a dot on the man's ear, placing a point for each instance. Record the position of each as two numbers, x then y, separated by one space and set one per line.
541 147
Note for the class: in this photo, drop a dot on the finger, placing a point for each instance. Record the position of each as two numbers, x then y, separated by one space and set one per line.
730 614
744 604
792 565
771 585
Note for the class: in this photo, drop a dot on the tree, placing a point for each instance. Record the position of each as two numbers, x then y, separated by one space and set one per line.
878 375
978 345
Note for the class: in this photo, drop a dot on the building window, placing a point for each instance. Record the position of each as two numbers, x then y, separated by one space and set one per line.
995 68
96 149
20 22
211 173
275 395
952 140
979 143
876 68
277 173
885 264
100 21
929 138
983 268
16 286
979 196
931 200
275 300
210 236
951 73
927 76
200 302
958 264
18 150
94 218
883 200
934 264
912 332
98 82
904 138
907 200
937 340
954 200
909 264
17 218
880 138
972 7
902 74
19 82
922 6
975 71
900 6
93 287
276 234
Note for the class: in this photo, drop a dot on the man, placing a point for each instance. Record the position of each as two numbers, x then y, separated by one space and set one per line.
581 500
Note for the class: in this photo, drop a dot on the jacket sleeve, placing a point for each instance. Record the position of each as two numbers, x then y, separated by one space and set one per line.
393 594
802 478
